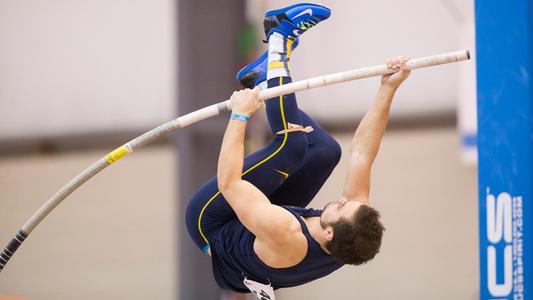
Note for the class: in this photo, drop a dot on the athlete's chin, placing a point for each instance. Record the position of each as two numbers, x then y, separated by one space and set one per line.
328 205
325 216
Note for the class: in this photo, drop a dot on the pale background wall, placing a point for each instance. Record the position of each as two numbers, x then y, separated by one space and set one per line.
70 67
115 237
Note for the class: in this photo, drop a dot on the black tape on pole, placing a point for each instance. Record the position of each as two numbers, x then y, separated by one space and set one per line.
11 248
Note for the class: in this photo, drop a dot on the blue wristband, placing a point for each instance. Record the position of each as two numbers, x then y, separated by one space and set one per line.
241 117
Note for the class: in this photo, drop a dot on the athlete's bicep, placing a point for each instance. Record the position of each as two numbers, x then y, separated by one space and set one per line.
357 183
265 220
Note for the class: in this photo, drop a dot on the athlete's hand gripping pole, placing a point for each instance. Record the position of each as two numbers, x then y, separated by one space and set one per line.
202 114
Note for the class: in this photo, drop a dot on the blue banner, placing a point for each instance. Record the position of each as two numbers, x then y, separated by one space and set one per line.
504 41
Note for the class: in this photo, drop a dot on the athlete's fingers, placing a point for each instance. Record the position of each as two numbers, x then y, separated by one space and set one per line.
398 61
394 62
255 92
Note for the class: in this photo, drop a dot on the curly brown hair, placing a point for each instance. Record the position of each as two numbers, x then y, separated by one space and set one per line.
358 239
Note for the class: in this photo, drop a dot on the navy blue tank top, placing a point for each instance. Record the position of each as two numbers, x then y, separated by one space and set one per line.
234 258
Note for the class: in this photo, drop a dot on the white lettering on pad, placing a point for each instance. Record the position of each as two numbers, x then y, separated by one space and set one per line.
261 291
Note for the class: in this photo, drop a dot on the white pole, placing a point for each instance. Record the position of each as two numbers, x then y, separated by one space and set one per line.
329 79
202 114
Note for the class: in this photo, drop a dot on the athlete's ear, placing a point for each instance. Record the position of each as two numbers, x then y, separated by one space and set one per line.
328 233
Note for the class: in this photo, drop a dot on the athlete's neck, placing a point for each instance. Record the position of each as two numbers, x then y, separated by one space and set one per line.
316 231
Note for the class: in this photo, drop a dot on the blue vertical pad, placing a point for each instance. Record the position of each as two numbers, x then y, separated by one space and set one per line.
504 37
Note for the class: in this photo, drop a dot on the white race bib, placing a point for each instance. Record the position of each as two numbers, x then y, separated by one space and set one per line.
261 291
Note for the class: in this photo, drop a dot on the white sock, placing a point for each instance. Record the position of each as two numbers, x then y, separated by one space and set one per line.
279 53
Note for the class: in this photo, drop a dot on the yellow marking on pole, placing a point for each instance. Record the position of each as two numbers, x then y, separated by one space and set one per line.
118 153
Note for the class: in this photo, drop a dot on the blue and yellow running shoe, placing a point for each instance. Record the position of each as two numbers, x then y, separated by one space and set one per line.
294 20
256 72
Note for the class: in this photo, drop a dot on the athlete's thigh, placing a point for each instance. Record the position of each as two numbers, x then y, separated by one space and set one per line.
321 158
208 211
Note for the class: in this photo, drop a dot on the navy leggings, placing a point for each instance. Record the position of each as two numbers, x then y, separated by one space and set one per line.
290 170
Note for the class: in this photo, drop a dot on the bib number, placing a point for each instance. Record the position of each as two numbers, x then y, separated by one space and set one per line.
261 291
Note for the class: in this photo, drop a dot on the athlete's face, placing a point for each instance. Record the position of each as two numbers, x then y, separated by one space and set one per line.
335 210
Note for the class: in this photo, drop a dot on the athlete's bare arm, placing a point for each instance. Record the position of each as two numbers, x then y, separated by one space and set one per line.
270 223
367 137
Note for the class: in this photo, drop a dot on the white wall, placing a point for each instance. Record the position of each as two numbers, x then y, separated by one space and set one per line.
74 66
362 33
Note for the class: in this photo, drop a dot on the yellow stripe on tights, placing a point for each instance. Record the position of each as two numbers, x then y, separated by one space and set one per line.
253 167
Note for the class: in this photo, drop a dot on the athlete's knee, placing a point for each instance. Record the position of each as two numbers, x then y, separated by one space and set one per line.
329 149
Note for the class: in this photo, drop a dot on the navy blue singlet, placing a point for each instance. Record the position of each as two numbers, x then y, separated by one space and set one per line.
233 258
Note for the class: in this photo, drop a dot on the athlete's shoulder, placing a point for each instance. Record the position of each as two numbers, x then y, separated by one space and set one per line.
287 229
284 249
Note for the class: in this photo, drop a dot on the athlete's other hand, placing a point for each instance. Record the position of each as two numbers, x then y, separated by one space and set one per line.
398 64
245 101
